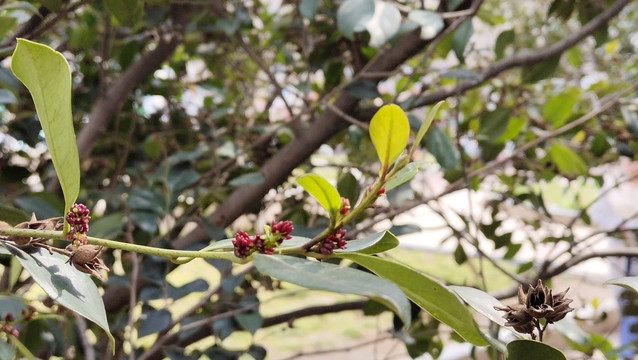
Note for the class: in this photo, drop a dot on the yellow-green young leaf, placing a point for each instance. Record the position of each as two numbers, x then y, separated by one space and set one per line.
389 131
45 72
323 191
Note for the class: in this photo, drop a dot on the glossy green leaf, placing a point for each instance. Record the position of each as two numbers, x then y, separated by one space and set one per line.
493 125
431 22
326 194
425 125
404 175
349 187
389 131
566 160
532 350
354 15
63 283
502 41
127 12
329 277
45 72
426 292
560 107
374 244
540 71
480 301
461 38
440 145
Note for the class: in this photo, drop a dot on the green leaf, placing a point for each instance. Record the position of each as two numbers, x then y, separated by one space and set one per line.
153 321
567 161
532 350
326 194
7 97
12 215
404 175
308 8
63 283
461 37
431 22
425 125
540 71
505 38
7 352
493 125
363 89
330 277
354 15
426 292
374 244
574 57
255 178
389 131
559 108
382 28
514 127
628 282
127 12
480 301
45 72
440 145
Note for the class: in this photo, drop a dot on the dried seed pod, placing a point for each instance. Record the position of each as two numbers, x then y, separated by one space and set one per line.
85 259
51 224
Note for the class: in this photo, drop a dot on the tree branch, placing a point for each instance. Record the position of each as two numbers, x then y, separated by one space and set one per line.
529 57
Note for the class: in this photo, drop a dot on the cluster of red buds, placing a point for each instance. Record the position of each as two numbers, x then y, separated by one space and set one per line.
78 217
8 328
274 235
336 240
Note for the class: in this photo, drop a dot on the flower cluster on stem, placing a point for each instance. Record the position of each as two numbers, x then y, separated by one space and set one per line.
78 217
245 245
336 240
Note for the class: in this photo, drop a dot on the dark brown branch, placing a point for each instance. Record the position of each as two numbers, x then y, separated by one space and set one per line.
529 57
290 317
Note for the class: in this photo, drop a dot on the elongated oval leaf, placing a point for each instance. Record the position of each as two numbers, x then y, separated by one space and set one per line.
481 301
354 15
63 283
389 131
628 282
428 293
532 350
567 161
326 194
330 277
425 125
45 72
374 244
404 175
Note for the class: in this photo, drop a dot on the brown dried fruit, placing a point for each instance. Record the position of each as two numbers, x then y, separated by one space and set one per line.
85 259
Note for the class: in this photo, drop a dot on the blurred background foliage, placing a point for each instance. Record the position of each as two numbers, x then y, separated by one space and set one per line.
194 116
